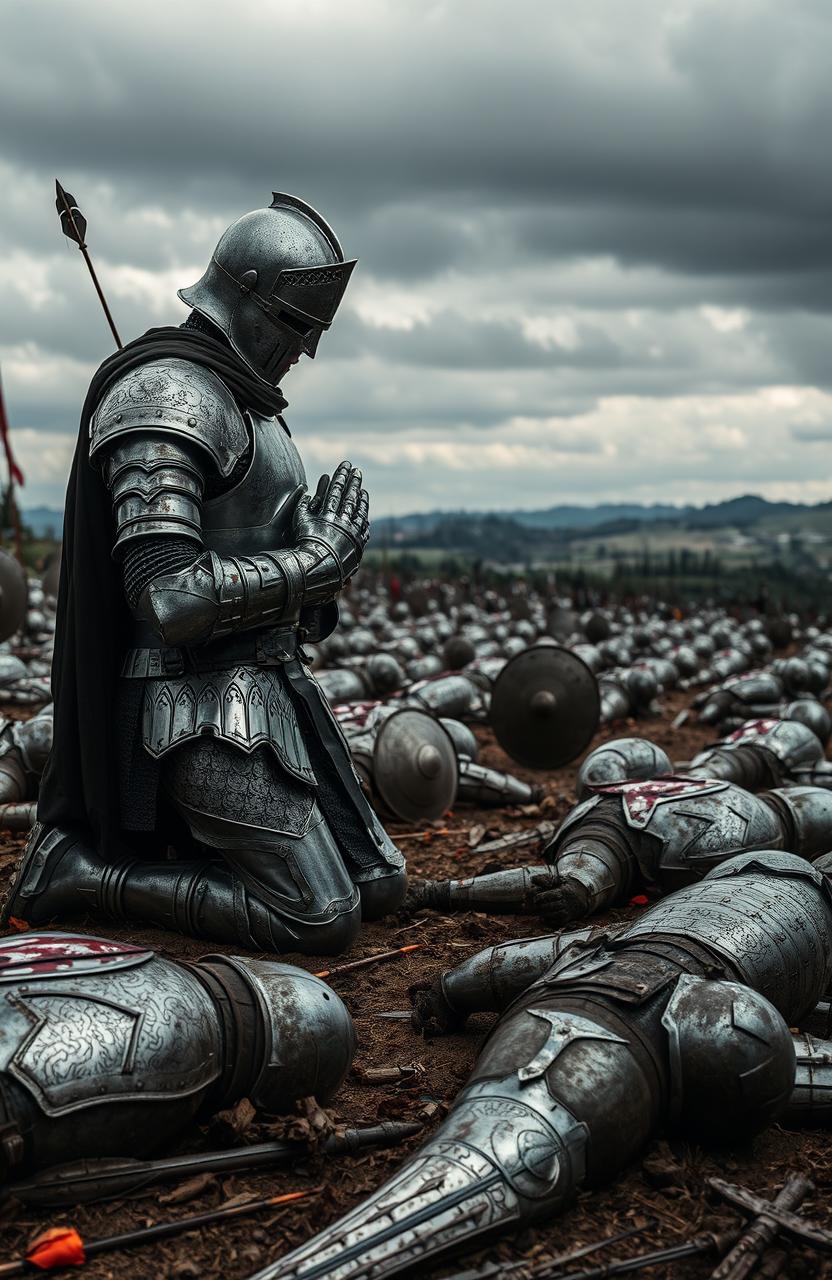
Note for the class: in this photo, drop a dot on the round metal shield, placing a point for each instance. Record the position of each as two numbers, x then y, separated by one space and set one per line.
13 595
545 707
415 768
597 628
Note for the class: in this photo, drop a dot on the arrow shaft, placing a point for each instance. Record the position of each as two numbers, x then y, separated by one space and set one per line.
160 1230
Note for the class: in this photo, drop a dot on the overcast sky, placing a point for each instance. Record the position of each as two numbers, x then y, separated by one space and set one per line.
595 239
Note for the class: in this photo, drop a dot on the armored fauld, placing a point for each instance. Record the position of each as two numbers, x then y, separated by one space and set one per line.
661 833
680 1021
108 1049
186 714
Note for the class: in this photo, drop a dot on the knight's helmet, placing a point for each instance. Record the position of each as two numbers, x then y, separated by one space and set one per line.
273 284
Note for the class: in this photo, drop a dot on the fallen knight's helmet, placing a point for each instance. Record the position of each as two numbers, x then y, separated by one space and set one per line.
273 284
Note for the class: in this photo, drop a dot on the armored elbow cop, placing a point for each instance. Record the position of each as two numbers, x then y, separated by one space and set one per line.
107 1049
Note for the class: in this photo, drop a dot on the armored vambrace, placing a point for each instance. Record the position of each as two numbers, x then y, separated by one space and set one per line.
218 595
618 1039
107 1049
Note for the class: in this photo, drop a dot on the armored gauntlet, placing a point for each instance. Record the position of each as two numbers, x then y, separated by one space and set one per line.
661 833
217 595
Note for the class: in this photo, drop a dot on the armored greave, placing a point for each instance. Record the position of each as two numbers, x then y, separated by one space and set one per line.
209 900
61 877
492 788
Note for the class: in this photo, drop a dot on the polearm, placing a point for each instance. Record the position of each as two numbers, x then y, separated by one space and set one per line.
74 227
99 1179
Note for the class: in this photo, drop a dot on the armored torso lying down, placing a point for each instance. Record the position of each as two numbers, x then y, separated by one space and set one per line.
108 1049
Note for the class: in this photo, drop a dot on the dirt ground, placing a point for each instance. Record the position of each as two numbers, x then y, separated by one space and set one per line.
665 1193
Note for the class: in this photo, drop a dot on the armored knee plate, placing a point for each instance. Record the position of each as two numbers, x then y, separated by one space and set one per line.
309 1038
732 1059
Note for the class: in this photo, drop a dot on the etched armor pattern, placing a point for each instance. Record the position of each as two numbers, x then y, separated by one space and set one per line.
130 1033
790 964
177 396
244 706
212 778
501 1148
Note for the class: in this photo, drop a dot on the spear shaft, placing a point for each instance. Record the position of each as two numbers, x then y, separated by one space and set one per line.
74 232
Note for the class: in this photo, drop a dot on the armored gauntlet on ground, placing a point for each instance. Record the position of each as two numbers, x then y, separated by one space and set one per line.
618 1039
108 1049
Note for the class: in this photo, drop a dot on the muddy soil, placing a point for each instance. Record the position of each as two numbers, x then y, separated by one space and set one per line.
665 1193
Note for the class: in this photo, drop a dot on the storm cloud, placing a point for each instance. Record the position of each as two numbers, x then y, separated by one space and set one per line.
594 241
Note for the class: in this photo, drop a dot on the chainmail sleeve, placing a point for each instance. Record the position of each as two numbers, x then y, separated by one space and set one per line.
150 557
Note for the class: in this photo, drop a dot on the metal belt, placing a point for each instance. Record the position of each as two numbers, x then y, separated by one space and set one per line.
270 648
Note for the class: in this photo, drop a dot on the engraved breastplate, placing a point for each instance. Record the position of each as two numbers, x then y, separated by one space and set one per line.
84 1021
256 514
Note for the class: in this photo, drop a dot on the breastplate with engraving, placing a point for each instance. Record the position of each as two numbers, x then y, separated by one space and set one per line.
256 514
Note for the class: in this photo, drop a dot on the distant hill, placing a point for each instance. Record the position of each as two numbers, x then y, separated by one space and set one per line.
43 521
742 511
609 517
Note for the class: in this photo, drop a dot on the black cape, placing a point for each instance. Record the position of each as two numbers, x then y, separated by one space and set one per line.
93 625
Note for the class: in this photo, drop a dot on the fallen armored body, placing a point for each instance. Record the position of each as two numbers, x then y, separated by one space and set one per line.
619 1038
758 755
108 1049
661 833
186 712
